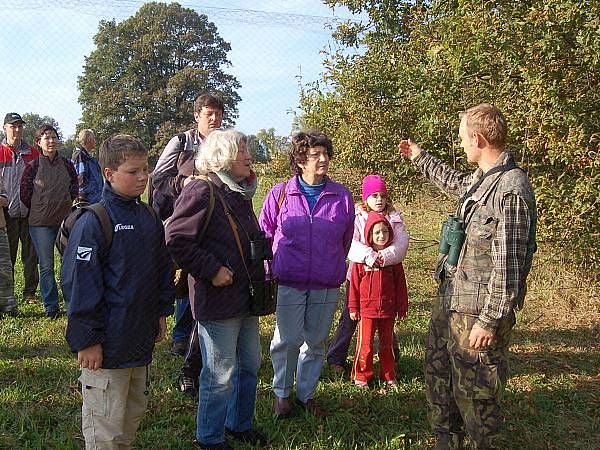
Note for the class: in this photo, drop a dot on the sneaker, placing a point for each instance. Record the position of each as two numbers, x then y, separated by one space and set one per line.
361 384
187 385
251 436
178 348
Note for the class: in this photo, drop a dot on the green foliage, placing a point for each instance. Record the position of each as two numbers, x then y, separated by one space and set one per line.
146 72
419 63
266 145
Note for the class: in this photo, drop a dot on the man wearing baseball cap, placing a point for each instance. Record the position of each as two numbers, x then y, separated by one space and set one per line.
15 153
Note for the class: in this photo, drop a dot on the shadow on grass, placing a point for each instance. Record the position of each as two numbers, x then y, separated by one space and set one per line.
555 352
39 350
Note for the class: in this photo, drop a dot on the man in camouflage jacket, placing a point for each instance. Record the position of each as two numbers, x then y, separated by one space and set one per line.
466 362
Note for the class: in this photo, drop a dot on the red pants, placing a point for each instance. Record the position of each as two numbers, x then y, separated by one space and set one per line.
363 361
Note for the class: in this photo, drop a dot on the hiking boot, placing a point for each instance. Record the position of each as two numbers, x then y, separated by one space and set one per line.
219 446
251 436
11 313
283 407
187 385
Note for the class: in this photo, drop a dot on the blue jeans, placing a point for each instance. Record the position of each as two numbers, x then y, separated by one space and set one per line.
230 362
184 322
299 342
43 240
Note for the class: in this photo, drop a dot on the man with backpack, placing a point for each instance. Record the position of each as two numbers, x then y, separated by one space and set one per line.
175 165
89 174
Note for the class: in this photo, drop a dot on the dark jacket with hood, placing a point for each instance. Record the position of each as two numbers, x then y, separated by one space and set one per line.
116 295
378 292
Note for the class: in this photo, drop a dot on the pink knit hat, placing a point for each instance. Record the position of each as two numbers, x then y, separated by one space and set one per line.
372 184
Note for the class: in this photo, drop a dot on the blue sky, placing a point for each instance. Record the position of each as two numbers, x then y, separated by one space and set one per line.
273 43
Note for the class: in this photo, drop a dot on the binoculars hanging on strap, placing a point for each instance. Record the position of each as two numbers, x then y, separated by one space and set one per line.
452 238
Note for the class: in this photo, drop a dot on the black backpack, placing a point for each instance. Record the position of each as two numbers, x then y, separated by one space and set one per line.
62 238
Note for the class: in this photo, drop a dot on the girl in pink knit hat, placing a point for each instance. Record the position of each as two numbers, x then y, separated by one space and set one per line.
374 198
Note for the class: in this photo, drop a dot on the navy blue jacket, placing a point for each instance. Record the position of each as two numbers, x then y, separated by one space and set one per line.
116 295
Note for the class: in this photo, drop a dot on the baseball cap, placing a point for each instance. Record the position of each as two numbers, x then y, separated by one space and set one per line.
13 118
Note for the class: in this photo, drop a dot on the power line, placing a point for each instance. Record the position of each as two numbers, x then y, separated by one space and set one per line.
113 8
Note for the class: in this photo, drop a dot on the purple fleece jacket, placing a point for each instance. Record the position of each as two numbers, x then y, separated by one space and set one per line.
309 248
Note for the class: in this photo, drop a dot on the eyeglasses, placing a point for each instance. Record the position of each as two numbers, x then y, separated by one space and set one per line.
317 155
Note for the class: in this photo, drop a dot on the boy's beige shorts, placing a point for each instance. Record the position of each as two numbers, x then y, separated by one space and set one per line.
113 406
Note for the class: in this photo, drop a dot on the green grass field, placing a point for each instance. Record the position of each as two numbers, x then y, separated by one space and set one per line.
552 400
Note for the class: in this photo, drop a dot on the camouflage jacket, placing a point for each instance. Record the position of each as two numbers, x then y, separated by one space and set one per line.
489 280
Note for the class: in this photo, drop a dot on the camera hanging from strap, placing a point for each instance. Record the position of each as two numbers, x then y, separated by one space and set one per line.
263 293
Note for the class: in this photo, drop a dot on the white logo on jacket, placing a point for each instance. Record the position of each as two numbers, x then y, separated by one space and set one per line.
120 226
84 253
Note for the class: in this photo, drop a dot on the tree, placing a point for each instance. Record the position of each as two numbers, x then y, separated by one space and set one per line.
256 149
146 72
420 62
271 143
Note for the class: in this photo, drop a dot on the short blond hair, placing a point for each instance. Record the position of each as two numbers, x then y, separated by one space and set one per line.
219 150
85 136
488 121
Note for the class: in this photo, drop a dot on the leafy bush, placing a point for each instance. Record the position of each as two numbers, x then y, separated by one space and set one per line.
418 64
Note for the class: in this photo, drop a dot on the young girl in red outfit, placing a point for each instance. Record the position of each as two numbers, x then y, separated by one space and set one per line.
377 294
374 198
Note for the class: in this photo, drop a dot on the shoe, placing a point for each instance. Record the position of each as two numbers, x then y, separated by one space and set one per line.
187 385
340 369
53 314
391 383
30 299
361 384
219 446
283 407
251 436
178 348
12 313
312 407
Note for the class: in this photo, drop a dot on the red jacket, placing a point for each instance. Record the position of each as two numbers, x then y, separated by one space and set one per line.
378 293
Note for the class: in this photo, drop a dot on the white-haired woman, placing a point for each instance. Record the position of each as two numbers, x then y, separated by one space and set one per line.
220 292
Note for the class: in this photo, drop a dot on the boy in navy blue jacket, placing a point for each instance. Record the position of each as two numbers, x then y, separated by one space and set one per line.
118 298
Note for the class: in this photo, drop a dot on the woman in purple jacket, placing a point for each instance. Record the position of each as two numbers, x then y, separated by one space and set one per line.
312 233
